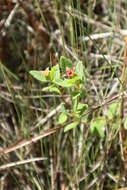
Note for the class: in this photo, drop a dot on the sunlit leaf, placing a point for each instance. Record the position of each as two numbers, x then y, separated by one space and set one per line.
55 73
97 126
113 110
71 126
62 118
72 81
67 82
125 123
80 70
61 82
79 108
76 94
52 89
39 75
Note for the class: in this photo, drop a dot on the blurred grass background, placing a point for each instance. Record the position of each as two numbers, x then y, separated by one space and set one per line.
38 34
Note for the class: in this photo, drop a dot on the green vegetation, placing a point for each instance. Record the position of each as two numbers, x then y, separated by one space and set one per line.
63 95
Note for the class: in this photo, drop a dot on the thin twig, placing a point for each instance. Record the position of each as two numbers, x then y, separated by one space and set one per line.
5 166
24 142
105 35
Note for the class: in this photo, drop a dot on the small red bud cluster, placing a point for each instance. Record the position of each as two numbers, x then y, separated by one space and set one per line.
70 72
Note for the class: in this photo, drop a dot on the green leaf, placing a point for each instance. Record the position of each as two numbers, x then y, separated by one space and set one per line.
60 82
113 110
55 73
116 124
98 127
72 81
38 75
79 108
79 93
80 70
65 62
63 83
76 94
63 109
125 124
84 119
62 118
52 88
67 82
71 126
